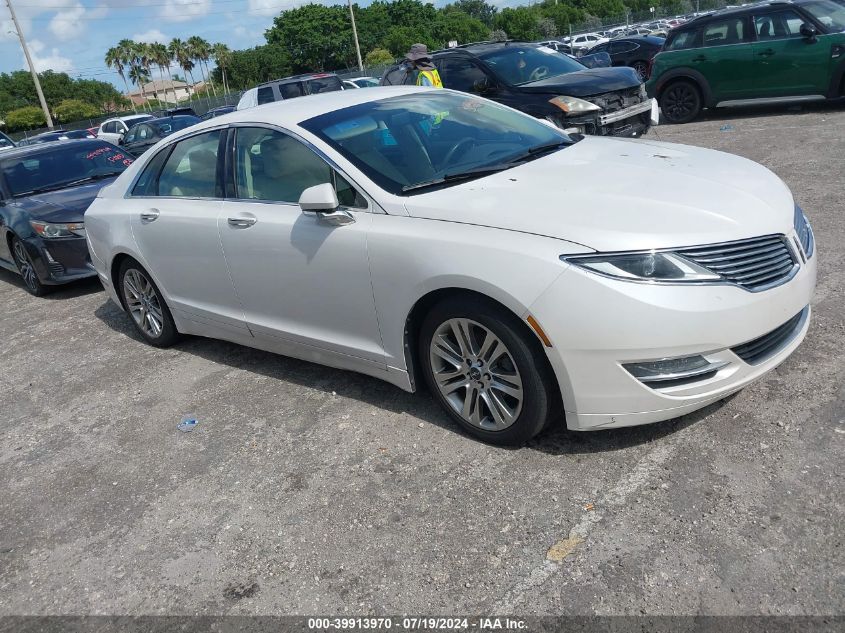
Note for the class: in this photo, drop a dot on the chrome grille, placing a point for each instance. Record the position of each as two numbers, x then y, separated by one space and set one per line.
755 264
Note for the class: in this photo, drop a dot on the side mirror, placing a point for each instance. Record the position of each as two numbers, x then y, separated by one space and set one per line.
483 86
322 200
809 31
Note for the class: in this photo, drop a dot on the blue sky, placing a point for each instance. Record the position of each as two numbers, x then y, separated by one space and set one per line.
72 36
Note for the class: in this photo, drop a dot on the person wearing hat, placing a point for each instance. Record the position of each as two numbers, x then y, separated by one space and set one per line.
418 59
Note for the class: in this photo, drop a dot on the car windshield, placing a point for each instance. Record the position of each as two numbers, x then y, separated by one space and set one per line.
519 65
62 166
410 142
829 13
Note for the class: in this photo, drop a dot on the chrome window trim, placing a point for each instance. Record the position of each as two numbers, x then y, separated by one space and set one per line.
796 258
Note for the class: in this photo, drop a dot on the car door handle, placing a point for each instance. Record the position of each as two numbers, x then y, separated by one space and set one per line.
150 215
700 58
242 222
766 53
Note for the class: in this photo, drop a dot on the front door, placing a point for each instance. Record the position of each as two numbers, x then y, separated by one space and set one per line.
726 58
301 279
788 64
174 209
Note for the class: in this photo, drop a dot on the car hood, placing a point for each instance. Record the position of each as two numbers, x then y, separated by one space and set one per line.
64 205
612 194
584 83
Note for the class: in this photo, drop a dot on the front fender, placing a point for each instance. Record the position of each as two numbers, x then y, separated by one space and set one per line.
684 72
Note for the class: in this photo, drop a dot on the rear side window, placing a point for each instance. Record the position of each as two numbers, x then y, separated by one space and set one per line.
147 184
191 168
725 32
324 84
683 41
291 90
462 74
621 47
265 95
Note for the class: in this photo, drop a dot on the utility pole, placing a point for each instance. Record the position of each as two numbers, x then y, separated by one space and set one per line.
355 35
43 101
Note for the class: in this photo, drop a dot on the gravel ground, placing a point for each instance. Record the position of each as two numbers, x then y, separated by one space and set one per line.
310 490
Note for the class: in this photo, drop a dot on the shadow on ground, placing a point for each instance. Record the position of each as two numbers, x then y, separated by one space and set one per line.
65 291
420 406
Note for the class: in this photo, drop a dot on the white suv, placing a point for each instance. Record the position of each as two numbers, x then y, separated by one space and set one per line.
113 130
584 42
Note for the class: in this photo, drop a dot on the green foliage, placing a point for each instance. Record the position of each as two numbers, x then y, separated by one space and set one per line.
317 37
519 23
477 9
378 57
26 118
73 110
252 66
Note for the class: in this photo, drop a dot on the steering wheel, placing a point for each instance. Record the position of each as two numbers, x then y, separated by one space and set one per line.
463 143
538 73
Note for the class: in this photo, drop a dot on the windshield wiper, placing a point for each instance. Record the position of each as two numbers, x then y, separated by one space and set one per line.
538 150
469 174
80 181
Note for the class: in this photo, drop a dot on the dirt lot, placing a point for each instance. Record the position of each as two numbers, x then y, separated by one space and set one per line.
310 490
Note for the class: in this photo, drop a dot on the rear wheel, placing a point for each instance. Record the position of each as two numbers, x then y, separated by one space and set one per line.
146 306
27 269
680 102
486 371
642 69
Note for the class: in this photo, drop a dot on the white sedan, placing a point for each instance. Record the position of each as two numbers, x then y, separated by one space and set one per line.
433 237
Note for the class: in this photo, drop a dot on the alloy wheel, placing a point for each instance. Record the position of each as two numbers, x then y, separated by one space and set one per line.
642 70
476 374
25 267
143 303
679 102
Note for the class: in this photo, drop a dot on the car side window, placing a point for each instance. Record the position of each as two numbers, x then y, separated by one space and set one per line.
191 168
110 127
683 41
778 25
147 184
290 90
725 32
621 47
462 74
265 95
274 167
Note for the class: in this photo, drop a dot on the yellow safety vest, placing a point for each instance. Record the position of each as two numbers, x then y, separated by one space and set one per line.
433 78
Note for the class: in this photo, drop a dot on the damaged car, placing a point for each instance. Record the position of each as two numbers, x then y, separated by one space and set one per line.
545 84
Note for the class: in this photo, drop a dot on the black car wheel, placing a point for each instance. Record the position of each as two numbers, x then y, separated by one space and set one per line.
27 269
642 69
680 102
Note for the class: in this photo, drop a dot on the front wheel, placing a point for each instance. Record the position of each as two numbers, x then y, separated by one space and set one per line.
486 371
146 306
680 102
27 270
642 69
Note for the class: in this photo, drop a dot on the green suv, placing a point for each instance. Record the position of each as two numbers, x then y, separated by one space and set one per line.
766 52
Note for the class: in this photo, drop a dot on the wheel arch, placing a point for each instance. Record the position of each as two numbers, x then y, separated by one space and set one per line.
837 81
686 74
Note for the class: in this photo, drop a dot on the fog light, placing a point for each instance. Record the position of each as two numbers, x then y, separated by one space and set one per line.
666 372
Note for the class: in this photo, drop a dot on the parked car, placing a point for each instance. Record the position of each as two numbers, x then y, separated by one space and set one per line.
6 142
429 236
76 134
112 130
174 111
44 192
580 44
557 45
289 88
636 52
142 136
360 82
544 84
762 53
218 112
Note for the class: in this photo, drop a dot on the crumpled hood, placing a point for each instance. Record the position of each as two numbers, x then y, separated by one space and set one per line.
64 205
585 83
612 194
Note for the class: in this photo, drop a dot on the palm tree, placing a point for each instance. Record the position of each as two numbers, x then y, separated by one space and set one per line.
179 50
222 57
139 75
142 50
160 56
114 59
201 51
129 54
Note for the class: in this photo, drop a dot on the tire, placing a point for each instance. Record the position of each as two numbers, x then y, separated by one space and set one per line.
506 394
642 69
26 269
145 305
680 102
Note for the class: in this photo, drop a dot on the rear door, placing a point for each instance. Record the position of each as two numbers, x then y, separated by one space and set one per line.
174 209
786 63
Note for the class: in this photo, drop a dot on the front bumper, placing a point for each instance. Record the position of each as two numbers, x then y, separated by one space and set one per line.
60 261
632 121
596 324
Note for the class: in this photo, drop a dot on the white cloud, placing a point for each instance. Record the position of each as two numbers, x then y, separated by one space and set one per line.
66 24
270 7
183 10
52 61
150 37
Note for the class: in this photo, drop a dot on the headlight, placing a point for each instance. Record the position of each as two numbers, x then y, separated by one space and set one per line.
52 230
643 266
805 233
571 105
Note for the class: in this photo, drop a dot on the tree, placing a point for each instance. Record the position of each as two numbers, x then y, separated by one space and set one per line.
317 37
477 9
114 59
74 110
223 58
252 66
519 23
179 51
498 35
457 25
200 50
547 28
379 57
129 55
27 118
160 56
